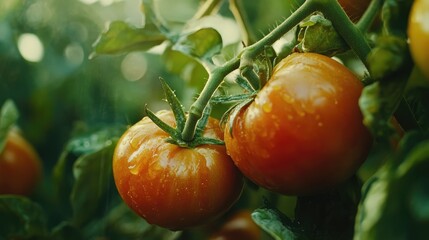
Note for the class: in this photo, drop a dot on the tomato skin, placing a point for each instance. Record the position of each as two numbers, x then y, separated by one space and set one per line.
171 186
303 133
239 226
20 166
354 9
418 33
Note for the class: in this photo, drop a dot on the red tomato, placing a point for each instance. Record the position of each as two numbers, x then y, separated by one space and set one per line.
418 32
172 186
303 132
20 166
239 226
354 8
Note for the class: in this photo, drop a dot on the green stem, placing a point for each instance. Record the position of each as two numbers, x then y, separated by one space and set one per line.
196 111
237 9
294 19
345 27
218 74
207 8
332 10
370 14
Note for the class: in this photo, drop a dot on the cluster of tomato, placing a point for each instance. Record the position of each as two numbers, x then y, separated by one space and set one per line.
302 134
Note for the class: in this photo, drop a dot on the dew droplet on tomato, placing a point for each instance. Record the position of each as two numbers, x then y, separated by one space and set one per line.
267 107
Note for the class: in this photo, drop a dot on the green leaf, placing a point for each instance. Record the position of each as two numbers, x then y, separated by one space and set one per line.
93 176
8 116
202 44
20 218
317 34
381 99
393 14
388 56
120 37
395 205
188 68
122 223
416 103
329 215
161 124
89 145
271 222
175 106
66 231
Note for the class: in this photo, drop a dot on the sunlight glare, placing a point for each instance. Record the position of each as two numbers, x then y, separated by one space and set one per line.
30 47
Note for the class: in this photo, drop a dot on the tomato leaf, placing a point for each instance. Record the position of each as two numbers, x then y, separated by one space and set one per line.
388 56
317 34
164 126
122 223
398 189
414 109
20 218
329 215
73 175
380 100
188 68
272 222
202 44
92 173
66 231
120 37
8 116
175 106
393 14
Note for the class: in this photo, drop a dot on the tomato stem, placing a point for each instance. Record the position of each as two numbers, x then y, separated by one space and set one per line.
370 14
345 27
294 19
208 7
196 110
330 8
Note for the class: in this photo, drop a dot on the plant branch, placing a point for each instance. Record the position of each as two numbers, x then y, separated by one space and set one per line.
330 8
345 27
370 14
207 8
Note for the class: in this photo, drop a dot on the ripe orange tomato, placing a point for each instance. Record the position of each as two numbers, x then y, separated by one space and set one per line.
171 186
303 133
20 166
354 9
418 32
239 226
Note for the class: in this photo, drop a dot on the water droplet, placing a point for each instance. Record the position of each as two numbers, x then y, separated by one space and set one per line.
290 117
267 107
336 102
320 124
133 169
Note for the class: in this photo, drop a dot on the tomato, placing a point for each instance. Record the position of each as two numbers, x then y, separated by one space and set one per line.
418 32
239 226
20 166
303 133
354 9
171 186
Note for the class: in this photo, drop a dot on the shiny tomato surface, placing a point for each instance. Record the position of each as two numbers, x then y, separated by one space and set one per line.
172 186
303 133
239 226
20 166
418 32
